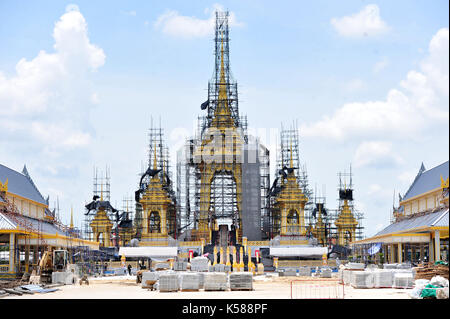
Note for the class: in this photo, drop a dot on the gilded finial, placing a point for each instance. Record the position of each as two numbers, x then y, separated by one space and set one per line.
4 186
71 217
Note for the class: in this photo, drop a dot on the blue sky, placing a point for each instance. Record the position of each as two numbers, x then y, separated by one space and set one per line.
365 80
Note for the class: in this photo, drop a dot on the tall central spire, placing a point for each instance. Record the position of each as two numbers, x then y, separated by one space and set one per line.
222 91
222 107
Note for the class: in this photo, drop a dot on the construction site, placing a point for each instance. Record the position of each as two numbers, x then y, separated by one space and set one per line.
212 225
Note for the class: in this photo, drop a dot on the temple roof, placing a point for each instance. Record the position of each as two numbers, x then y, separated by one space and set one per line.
435 219
21 184
427 180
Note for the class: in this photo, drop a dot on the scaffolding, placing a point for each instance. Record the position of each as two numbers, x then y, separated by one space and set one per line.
344 224
99 217
158 167
289 168
222 172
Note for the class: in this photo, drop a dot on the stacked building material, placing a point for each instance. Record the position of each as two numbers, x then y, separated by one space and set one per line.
168 282
403 280
355 266
149 278
390 266
190 281
199 264
325 272
362 279
287 272
304 271
214 281
180 265
201 280
383 278
241 281
428 271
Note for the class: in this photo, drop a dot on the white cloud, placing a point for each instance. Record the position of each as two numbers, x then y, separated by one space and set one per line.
174 24
380 65
48 99
420 102
365 23
354 85
376 154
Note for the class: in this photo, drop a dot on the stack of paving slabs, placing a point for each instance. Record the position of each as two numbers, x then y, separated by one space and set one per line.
383 278
362 279
325 272
214 281
348 271
180 266
390 266
241 281
199 264
190 281
355 266
288 272
168 282
149 278
201 279
403 279
304 271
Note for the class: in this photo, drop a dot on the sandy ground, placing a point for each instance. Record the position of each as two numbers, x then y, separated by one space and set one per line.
125 287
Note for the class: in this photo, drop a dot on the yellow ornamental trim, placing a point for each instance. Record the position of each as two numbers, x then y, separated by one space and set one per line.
444 183
4 186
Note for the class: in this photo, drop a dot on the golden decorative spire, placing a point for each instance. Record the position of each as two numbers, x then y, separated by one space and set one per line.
71 217
222 107
101 192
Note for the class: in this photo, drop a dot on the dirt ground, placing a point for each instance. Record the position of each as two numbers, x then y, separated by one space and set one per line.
264 288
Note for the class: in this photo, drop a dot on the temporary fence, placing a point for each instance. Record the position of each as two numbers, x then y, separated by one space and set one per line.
317 289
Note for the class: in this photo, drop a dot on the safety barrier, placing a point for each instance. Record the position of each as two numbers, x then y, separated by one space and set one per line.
317 288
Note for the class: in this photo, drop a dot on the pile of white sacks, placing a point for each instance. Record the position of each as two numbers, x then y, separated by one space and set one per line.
359 276
437 281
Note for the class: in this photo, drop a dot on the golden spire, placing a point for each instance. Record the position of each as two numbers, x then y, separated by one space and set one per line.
71 217
101 192
222 107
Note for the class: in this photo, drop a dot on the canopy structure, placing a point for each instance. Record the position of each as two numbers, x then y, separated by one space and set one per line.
305 251
149 252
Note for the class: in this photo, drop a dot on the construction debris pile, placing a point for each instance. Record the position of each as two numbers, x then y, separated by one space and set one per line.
436 288
8 288
430 270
